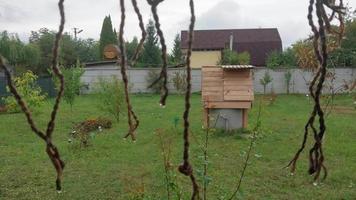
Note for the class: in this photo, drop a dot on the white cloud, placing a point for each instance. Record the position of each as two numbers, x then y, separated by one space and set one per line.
289 16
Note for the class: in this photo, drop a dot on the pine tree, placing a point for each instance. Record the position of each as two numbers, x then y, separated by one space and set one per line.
107 35
177 56
151 54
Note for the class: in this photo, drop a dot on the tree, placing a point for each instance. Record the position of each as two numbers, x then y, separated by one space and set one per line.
151 54
281 59
23 56
68 54
346 55
107 35
88 50
131 47
72 82
111 95
70 49
177 56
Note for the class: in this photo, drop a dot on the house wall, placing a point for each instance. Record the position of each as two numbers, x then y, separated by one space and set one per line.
205 58
299 83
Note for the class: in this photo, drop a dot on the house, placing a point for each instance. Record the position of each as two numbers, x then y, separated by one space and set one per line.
208 44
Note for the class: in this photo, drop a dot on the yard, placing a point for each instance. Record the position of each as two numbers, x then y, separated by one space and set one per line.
113 168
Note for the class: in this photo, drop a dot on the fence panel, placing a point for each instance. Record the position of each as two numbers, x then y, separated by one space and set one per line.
45 83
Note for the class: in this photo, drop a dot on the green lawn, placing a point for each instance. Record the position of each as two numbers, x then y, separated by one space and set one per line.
113 168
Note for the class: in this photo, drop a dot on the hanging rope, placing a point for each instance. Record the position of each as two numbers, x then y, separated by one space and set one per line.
316 154
51 149
143 34
186 168
163 74
130 113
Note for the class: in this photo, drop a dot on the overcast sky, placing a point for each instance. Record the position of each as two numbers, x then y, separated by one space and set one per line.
289 16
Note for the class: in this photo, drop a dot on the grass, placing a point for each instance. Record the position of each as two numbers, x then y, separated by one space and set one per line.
113 168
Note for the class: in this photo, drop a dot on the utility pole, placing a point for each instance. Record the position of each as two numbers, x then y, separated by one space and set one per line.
76 32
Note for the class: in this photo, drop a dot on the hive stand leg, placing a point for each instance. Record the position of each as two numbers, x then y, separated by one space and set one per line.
244 118
206 117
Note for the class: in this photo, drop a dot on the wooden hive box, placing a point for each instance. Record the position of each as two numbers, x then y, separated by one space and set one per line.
227 87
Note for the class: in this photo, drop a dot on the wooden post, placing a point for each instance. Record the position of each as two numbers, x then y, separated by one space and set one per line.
244 118
206 117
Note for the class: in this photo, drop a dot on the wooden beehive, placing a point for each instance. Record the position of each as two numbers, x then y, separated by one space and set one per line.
227 87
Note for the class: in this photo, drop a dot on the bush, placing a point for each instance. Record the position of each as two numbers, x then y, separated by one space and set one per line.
151 77
180 82
281 59
230 57
342 58
111 95
243 58
274 60
28 89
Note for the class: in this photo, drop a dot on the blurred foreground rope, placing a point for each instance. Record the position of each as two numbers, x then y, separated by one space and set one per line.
163 74
316 154
186 168
51 149
122 52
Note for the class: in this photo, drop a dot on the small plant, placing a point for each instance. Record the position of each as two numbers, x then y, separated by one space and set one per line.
272 99
83 131
243 58
111 96
172 187
152 77
266 79
206 179
256 131
180 82
230 57
28 89
288 78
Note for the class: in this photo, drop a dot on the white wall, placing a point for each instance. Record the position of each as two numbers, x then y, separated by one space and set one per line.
299 82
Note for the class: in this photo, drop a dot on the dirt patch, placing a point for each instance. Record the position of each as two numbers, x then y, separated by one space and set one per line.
3 109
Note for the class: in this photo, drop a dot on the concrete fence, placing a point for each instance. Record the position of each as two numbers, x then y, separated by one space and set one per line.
299 80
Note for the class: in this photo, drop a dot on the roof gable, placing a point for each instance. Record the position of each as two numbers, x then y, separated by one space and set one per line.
217 39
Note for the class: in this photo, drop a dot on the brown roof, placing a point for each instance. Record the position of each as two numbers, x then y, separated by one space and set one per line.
258 42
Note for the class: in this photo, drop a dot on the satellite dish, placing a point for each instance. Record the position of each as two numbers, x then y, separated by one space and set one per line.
111 52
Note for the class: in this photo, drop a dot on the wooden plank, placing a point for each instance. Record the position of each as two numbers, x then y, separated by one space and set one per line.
238 83
244 118
213 74
239 98
211 69
212 88
216 78
237 74
237 87
237 79
213 93
227 104
237 92
213 83
212 97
